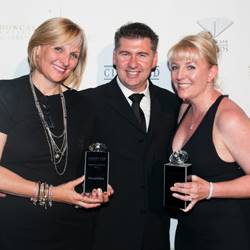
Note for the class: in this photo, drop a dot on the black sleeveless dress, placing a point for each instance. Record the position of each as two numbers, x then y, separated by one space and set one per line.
216 224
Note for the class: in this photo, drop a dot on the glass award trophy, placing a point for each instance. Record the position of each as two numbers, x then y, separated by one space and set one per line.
96 168
177 170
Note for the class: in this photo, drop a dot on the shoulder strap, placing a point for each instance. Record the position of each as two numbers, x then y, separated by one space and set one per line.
184 114
217 102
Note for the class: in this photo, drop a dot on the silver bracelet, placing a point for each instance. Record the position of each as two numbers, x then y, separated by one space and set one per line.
43 196
211 189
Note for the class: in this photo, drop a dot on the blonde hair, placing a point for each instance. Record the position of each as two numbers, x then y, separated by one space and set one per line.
196 46
54 31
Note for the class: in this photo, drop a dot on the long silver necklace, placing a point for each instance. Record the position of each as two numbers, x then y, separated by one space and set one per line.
56 152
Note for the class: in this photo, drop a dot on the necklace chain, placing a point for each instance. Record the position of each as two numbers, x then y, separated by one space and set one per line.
197 122
56 152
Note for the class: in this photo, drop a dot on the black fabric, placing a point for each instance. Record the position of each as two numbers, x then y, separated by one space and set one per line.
23 225
136 99
134 219
213 224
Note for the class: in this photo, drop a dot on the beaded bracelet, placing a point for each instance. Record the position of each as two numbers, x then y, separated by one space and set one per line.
50 195
36 196
211 189
43 195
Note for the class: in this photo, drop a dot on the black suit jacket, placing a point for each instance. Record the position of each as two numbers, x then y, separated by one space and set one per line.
134 219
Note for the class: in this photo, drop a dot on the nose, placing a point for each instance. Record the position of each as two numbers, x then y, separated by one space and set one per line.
132 62
65 60
180 74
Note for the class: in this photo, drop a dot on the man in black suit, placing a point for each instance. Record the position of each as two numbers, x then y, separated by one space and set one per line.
138 140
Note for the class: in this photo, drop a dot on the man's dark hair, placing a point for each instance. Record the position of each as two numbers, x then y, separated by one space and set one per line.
136 31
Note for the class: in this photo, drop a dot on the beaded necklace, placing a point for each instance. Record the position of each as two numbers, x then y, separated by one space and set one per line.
57 152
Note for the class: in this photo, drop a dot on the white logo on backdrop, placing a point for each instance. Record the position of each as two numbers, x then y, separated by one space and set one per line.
155 75
15 31
216 26
109 73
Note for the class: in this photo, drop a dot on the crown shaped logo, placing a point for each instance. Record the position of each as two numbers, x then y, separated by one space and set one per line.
215 26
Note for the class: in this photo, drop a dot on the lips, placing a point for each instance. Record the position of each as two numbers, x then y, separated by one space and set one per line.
132 74
59 68
183 85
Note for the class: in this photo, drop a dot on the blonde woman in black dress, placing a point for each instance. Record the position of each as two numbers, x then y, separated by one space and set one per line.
215 132
44 129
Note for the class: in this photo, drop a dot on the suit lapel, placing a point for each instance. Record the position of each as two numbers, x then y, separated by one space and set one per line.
156 114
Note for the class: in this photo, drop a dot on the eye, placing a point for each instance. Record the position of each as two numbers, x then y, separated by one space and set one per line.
58 49
173 67
124 53
142 55
191 67
75 56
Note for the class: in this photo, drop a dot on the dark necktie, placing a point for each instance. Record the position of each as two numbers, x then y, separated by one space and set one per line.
136 99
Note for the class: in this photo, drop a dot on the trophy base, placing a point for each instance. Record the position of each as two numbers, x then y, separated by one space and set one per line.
173 174
96 171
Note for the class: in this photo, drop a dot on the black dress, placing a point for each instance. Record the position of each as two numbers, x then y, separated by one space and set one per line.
214 224
23 225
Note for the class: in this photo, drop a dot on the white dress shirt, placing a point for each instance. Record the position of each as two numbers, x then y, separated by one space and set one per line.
145 103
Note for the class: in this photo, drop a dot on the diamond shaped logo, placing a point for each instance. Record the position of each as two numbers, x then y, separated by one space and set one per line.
215 26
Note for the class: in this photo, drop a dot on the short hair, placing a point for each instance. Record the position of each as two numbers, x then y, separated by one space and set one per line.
54 31
196 46
136 31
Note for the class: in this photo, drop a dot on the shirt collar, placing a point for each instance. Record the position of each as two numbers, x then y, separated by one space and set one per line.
127 92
